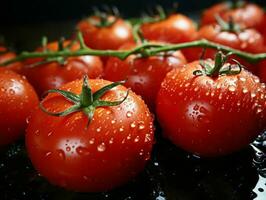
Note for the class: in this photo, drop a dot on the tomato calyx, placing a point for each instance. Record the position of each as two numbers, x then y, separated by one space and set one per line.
86 101
220 67
229 26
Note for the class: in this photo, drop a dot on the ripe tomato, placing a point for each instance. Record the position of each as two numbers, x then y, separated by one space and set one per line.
113 149
248 14
248 40
112 35
143 75
53 74
17 99
176 28
7 55
262 71
211 116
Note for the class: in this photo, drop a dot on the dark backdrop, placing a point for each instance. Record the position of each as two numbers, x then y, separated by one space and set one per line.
24 22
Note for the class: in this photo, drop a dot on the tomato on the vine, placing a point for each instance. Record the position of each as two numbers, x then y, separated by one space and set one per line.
6 55
97 143
176 28
17 100
247 14
211 108
109 32
247 40
143 74
48 75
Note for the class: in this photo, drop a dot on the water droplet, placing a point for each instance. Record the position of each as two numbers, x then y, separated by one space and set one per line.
98 129
101 147
121 129
61 154
37 132
50 133
111 141
141 126
113 121
82 151
136 139
245 90
68 148
133 125
252 94
92 141
232 88
129 114
48 154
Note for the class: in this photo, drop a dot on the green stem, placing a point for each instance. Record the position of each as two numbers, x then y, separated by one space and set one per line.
150 49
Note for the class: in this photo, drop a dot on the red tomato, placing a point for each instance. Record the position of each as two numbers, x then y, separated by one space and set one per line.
6 55
113 149
143 75
111 36
176 28
53 75
262 71
248 40
248 14
17 99
211 116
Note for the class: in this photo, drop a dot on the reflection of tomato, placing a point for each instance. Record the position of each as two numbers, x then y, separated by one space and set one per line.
17 99
113 149
7 55
110 36
176 28
211 116
262 71
248 40
247 14
52 75
143 75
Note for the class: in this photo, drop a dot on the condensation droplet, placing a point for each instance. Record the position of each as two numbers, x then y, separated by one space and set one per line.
101 147
129 114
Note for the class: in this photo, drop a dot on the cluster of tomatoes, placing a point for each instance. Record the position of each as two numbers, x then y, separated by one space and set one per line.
94 135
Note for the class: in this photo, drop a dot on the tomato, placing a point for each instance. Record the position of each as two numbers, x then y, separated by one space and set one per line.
17 99
6 55
107 153
53 74
247 40
248 14
211 115
176 28
143 75
112 35
262 71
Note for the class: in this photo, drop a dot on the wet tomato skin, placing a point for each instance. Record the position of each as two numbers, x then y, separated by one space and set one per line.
211 116
143 75
112 150
176 28
249 15
17 100
53 75
108 37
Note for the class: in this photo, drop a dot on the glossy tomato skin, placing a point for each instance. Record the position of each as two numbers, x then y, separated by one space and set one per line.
112 150
17 100
143 75
108 37
53 75
211 116
249 15
176 28
16 67
248 40
262 71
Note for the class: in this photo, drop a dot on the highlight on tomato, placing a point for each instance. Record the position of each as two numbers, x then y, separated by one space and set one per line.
53 73
211 108
90 135
17 99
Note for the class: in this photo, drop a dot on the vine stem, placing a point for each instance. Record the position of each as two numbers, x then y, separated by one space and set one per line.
150 49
